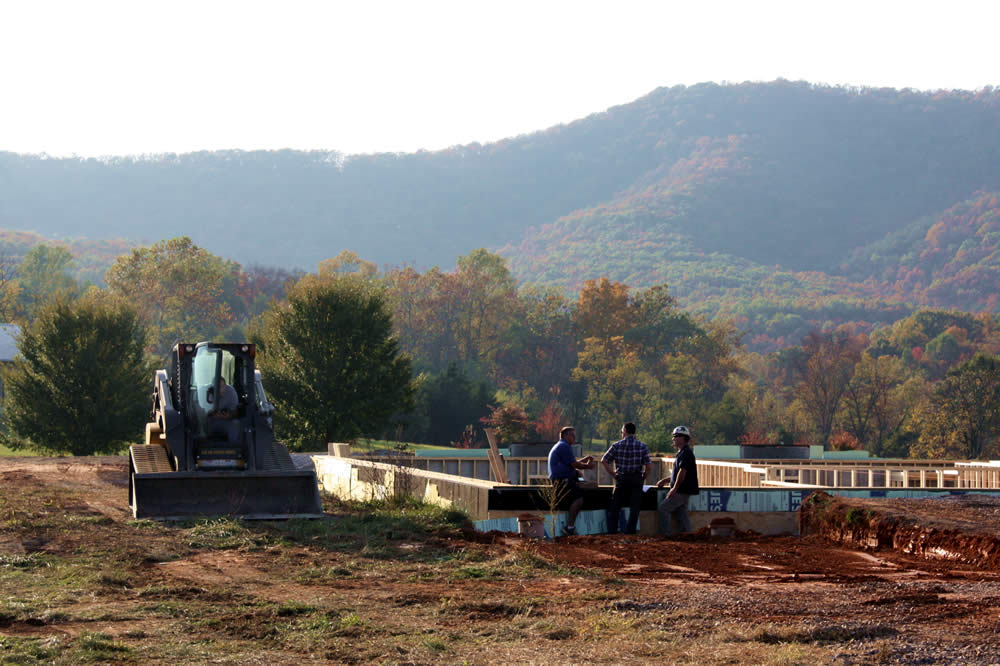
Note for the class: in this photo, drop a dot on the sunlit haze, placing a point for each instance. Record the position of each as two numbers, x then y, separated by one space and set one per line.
111 78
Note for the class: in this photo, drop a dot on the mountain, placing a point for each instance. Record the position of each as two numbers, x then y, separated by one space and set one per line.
791 174
782 205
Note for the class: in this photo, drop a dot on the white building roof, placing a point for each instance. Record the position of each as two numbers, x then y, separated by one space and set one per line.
8 341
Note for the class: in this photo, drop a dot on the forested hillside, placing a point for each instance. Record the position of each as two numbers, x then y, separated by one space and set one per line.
480 350
782 206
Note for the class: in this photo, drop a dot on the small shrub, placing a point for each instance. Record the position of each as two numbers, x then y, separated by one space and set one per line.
855 517
18 561
99 647
436 644
292 608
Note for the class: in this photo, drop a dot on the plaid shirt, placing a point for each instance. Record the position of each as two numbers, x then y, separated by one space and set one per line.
629 455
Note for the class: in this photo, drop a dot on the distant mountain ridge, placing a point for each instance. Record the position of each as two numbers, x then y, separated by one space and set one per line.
783 194
799 175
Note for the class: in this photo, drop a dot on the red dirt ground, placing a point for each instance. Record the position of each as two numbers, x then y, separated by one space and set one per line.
921 573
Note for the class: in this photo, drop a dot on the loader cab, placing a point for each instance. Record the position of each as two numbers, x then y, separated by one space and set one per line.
217 424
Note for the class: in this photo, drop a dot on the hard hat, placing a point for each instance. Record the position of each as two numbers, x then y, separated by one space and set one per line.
681 430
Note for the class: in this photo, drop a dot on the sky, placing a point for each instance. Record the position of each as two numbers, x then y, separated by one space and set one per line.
133 77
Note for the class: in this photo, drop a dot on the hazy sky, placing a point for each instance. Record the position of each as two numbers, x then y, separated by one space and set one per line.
100 78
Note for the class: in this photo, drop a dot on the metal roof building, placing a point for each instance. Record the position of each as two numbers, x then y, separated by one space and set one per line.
8 342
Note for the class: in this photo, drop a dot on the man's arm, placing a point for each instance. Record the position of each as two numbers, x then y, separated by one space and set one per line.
583 463
607 466
680 479
608 459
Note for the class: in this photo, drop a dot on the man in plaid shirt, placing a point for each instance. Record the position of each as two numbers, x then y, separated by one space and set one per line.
630 458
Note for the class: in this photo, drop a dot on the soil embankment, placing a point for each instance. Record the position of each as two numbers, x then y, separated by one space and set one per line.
958 528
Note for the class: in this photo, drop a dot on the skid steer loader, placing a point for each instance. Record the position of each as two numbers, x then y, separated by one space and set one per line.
210 448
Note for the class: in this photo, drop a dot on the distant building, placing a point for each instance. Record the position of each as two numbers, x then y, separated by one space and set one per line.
8 342
8 348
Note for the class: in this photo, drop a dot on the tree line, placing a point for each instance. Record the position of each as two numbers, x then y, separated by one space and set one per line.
436 356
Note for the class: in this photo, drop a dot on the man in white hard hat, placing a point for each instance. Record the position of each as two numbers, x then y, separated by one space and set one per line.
683 482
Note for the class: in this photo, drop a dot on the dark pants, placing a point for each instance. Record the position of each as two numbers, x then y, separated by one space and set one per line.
628 490
568 490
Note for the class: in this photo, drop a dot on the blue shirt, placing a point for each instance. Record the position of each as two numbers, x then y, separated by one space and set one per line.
561 459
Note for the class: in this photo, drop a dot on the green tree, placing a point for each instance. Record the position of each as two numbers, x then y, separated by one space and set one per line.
541 346
488 300
178 288
944 348
347 263
330 361
964 415
461 316
656 326
612 376
824 371
446 404
869 408
511 422
42 274
604 310
80 383
11 303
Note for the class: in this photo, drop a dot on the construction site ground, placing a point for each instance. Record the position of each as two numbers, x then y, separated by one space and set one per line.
894 582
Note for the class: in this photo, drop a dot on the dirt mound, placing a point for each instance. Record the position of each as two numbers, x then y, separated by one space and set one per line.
960 528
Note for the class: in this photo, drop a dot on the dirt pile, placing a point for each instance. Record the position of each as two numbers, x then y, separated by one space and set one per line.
959 528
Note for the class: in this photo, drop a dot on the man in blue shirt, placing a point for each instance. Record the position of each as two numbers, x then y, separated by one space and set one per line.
630 458
563 467
683 483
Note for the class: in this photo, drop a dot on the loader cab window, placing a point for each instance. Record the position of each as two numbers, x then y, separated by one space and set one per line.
210 363
206 367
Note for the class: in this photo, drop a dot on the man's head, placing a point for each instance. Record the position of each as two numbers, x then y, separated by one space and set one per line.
568 434
628 429
681 436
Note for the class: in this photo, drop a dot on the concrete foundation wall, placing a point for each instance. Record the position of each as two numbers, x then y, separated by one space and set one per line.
361 480
595 522
493 506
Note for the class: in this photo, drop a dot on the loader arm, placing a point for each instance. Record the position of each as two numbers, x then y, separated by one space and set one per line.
169 420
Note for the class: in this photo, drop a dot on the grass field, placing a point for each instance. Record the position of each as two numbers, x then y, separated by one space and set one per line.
5 452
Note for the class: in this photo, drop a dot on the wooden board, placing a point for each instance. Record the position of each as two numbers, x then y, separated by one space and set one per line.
497 463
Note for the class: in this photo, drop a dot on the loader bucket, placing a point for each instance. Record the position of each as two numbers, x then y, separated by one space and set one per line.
259 495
